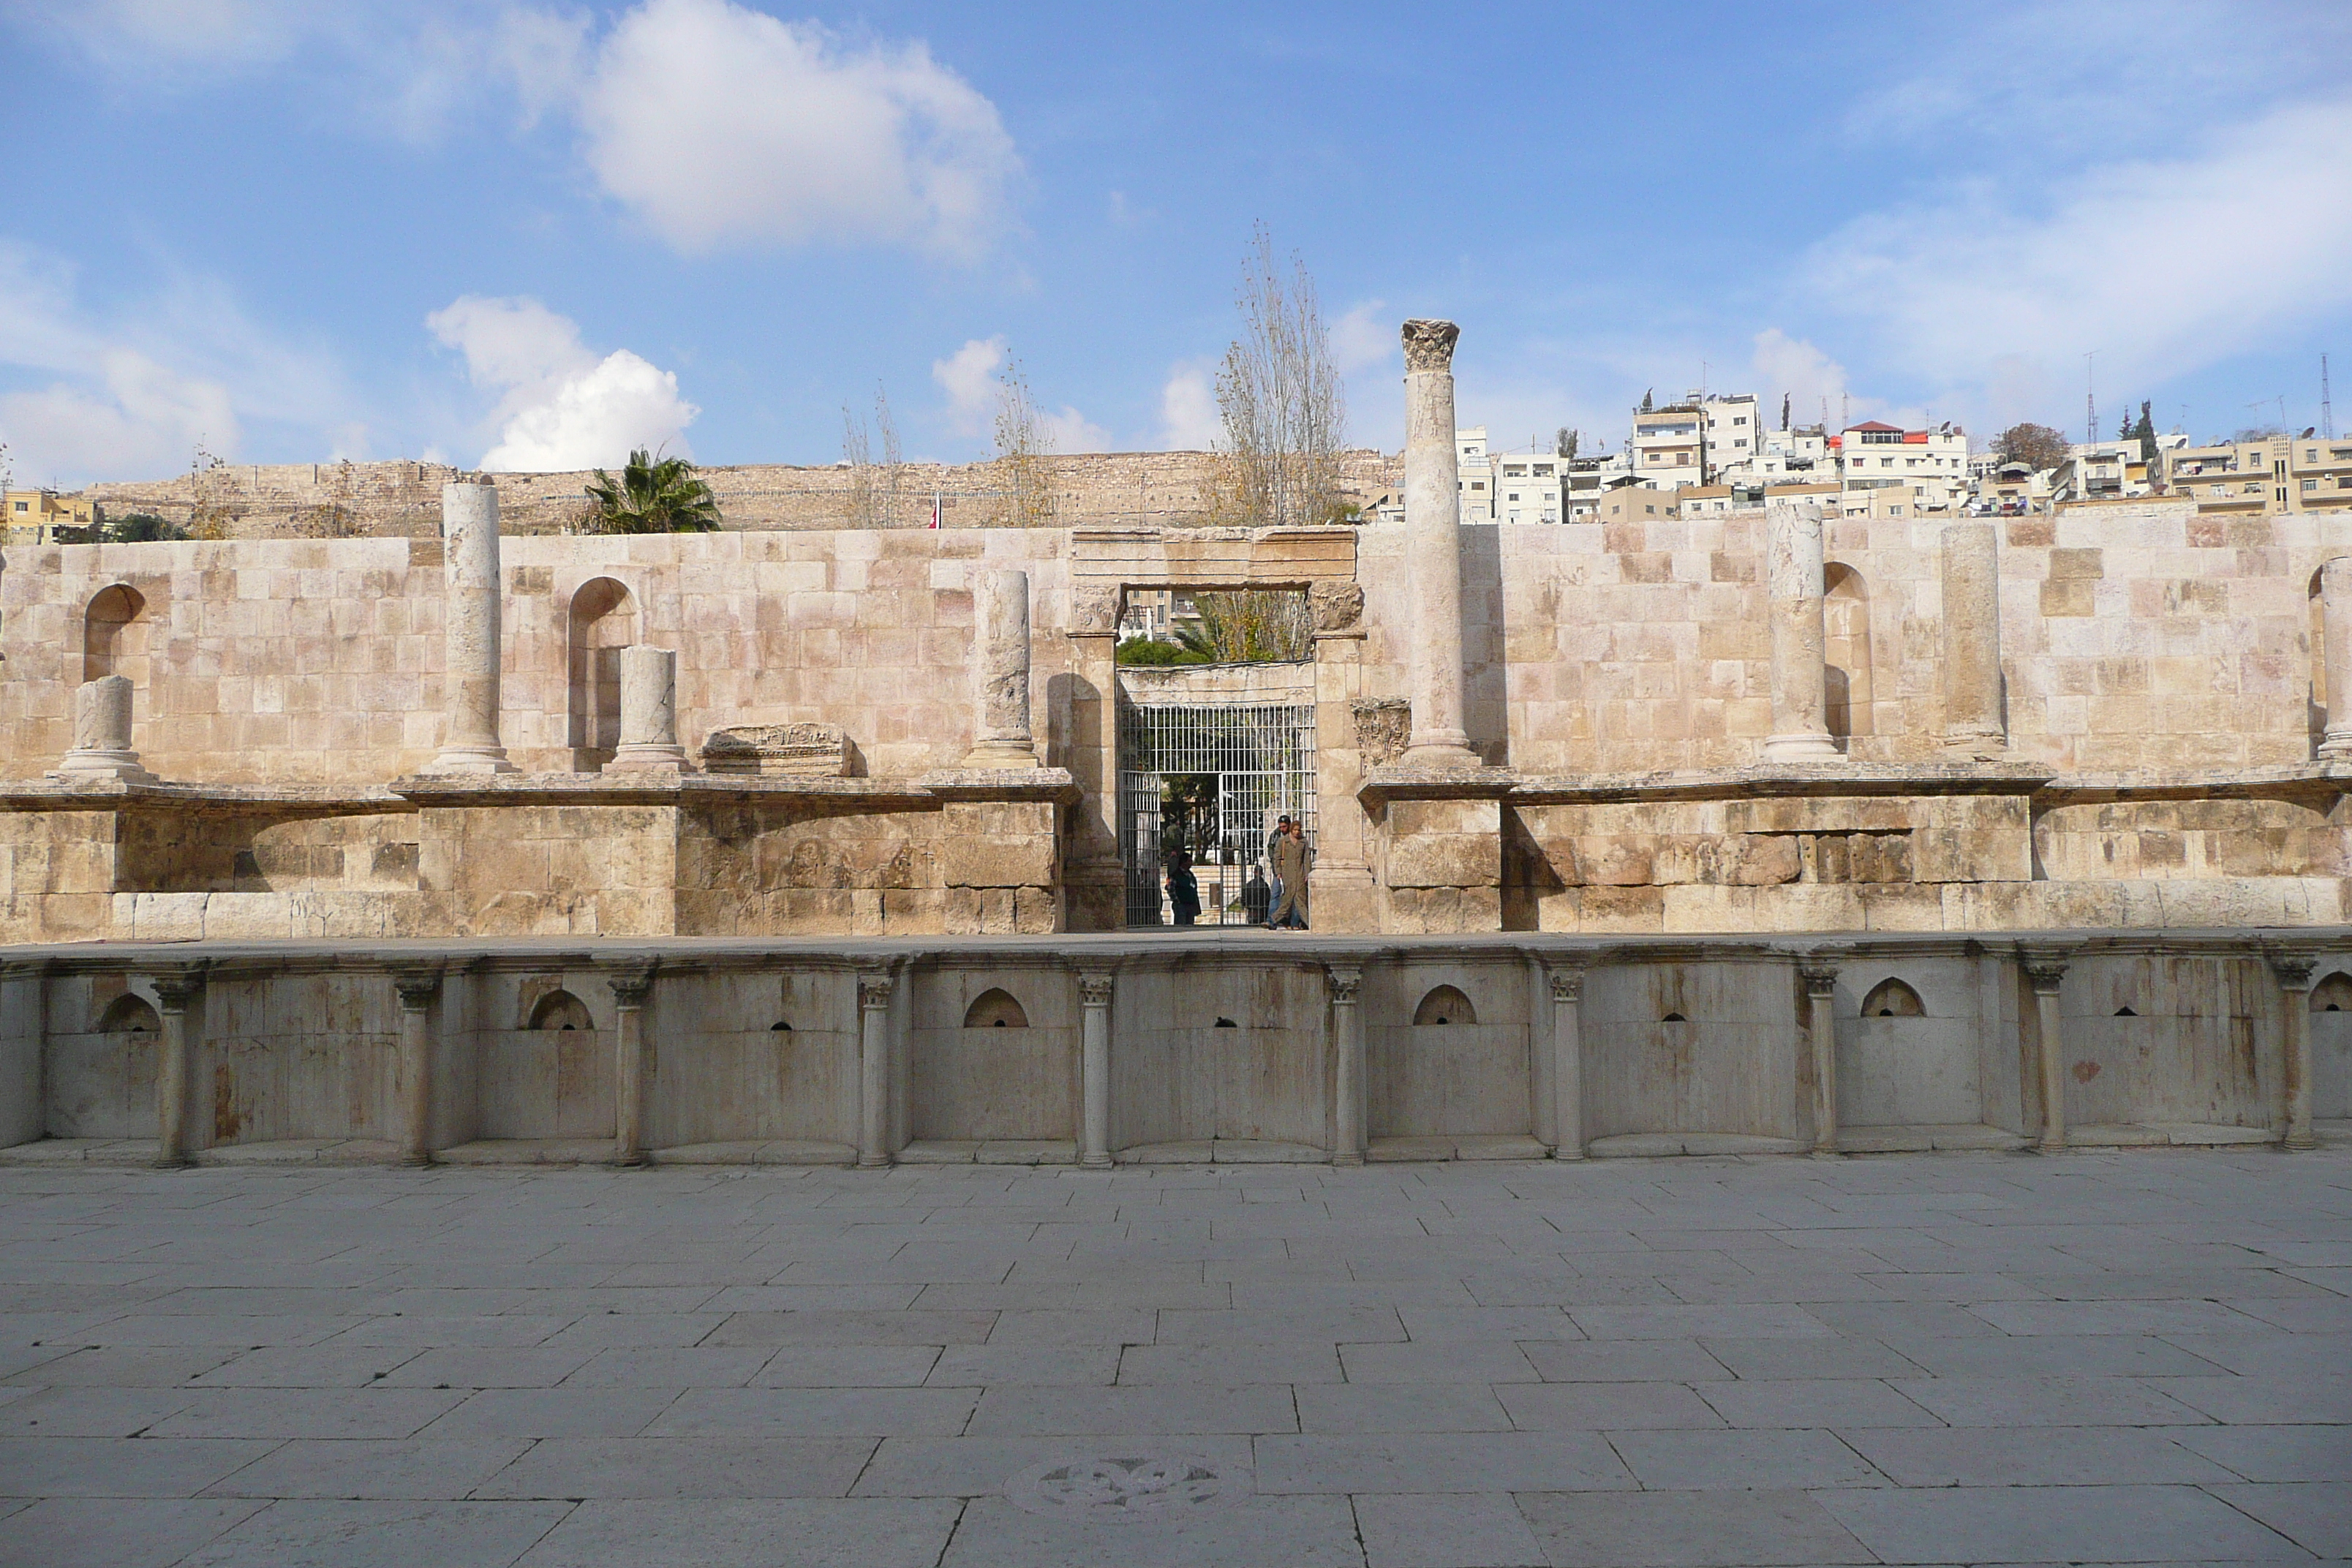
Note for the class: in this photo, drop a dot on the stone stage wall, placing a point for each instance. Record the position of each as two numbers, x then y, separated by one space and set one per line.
1101 1049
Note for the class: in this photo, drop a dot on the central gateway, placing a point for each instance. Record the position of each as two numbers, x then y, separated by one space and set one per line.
1209 757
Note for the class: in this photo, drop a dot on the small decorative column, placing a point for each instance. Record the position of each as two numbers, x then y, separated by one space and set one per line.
874 1067
469 630
1972 721
649 710
1094 1071
2335 638
174 993
1820 976
101 747
2294 971
631 984
1000 668
2044 972
1433 549
1567 1062
1348 1132
1793 554
416 988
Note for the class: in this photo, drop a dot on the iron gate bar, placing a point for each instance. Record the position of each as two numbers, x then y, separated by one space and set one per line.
1260 757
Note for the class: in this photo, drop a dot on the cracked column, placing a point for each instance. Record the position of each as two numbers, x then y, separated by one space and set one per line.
1000 671
1094 1070
1567 1117
2045 971
2294 971
416 989
2336 635
174 995
874 1067
469 630
631 984
1433 549
1792 557
1820 977
102 748
1971 588
649 710
1347 1139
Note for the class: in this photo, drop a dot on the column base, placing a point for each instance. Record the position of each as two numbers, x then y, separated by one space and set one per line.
415 1161
1442 756
470 760
2299 1142
1094 1162
2050 1146
644 759
1813 748
1565 1152
1347 1159
171 1162
1000 755
2335 746
628 1159
124 766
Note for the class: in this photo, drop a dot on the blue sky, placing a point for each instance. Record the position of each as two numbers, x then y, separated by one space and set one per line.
531 233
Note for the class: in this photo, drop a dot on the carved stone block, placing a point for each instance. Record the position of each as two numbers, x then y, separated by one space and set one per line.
812 750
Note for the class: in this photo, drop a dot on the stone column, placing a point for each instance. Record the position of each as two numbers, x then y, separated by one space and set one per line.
2336 637
874 1067
1567 1062
631 984
1972 723
174 993
101 747
469 630
649 710
1433 549
1094 1071
1000 671
2294 971
1349 1134
1793 558
1820 976
416 989
2044 972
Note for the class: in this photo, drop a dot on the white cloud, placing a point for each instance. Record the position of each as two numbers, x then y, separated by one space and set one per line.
142 420
718 125
1814 384
560 406
172 34
969 378
2164 267
1188 421
1071 431
1364 338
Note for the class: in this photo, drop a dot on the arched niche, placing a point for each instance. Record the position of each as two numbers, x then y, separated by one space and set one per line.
1445 1005
558 1011
1845 650
128 1015
1891 998
2332 994
114 634
602 621
994 1008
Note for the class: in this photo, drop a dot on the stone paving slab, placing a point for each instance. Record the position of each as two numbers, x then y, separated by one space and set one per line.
2131 1356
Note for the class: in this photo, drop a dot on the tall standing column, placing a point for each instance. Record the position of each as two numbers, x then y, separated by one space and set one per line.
1820 1030
874 1067
416 989
2045 973
1433 549
469 544
649 710
631 985
1972 719
174 995
2335 640
102 746
1567 1062
1000 670
1793 558
1348 1131
2294 971
1094 1070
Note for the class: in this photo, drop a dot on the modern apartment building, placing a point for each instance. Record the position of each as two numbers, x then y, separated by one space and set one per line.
1933 464
1691 442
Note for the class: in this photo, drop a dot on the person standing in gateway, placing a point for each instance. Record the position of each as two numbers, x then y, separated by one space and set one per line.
1290 860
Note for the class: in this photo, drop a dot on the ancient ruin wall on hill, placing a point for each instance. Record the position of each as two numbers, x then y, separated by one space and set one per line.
402 497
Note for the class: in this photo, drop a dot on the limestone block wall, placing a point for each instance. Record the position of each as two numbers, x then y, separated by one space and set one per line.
1446 1048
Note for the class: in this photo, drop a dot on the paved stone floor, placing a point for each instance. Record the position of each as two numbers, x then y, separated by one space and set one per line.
1959 1358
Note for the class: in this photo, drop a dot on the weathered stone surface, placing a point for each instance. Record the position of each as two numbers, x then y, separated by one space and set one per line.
802 749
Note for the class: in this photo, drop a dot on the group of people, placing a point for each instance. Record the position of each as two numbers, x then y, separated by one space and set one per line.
1281 906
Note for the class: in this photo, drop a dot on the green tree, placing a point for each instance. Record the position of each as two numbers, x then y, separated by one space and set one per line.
1153 652
652 495
2145 434
142 528
2038 447
1248 626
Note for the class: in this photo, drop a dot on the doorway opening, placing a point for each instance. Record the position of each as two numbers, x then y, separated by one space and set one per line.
1213 776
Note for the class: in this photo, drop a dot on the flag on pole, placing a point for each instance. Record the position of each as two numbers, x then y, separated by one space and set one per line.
934 511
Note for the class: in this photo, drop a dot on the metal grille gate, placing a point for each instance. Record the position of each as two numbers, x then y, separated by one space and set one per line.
1216 777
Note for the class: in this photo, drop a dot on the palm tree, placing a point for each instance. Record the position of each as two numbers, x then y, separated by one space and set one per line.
654 495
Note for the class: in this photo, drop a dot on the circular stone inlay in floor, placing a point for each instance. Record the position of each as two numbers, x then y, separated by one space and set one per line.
1127 1488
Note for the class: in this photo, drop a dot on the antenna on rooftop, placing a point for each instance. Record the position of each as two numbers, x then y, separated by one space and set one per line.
2090 397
